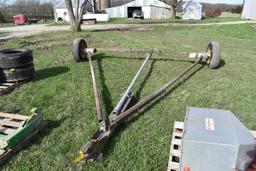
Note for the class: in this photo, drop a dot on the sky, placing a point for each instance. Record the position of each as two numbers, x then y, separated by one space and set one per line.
223 1
207 1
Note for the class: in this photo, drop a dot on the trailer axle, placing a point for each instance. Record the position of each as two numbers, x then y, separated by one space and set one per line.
93 149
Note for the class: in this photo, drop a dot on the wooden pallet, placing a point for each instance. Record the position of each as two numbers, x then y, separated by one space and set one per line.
8 87
10 124
175 150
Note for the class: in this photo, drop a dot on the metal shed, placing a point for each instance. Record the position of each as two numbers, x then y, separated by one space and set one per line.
153 9
249 10
192 10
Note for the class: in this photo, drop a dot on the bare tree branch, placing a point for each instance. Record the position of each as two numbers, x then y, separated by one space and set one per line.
75 19
174 4
77 9
82 11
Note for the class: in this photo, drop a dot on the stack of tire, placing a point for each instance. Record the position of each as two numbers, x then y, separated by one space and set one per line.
16 65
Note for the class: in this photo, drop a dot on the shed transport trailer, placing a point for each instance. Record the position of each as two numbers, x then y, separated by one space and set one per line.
93 149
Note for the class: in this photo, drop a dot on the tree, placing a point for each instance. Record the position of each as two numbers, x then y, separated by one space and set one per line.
2 20
77 15
174 4
3 3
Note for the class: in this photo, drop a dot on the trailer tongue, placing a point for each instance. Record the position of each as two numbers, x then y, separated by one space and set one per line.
93 149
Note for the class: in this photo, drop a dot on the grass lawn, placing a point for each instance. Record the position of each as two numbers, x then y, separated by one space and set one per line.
157 21
226 17
63 90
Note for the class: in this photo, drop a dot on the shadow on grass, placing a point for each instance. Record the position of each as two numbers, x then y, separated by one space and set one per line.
106 95
222 63
50 72
111 145
50 125
136 97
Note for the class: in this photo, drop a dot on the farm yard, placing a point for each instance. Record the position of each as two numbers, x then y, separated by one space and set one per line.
62 89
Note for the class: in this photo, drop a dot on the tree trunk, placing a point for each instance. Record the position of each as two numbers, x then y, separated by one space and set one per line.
173 12
77 9
75 26
94 6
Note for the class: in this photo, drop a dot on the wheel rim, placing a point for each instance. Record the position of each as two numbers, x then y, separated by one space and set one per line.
81 49
209 56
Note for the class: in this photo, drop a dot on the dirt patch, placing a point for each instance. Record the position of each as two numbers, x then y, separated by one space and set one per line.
146 28
28 43
31 30
42 44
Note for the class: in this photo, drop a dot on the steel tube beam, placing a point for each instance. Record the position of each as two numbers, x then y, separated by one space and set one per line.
142 51
96 91
116 120
125 96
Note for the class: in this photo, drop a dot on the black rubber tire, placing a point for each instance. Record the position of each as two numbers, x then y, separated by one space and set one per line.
17 74
15 58
79 45
215 55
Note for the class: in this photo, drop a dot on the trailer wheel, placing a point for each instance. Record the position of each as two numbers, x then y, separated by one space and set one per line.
14 58
213 55
79 45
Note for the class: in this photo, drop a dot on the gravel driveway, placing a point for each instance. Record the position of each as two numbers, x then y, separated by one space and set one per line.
30 30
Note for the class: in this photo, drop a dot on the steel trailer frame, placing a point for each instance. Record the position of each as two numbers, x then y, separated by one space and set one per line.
107 125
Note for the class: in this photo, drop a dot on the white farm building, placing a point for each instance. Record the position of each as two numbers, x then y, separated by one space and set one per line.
153 9
249 10
61 12
192 10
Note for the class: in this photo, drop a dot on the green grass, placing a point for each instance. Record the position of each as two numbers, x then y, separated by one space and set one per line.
63 90
158 21
226 17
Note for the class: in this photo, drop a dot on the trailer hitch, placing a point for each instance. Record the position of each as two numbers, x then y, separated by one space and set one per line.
107 125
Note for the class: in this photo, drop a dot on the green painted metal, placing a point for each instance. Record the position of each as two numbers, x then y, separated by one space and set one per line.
9 141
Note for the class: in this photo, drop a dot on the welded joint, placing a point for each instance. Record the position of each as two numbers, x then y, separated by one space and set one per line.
103 126
90 50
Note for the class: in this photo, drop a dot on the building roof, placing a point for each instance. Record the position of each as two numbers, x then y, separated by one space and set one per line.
146 3
61 4
191 2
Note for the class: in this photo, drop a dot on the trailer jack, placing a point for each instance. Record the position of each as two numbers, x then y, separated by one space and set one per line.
92 150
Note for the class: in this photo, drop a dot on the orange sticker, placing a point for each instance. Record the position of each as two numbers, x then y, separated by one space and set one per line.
186 169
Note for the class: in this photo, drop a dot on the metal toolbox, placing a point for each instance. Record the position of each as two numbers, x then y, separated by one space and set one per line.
215 140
